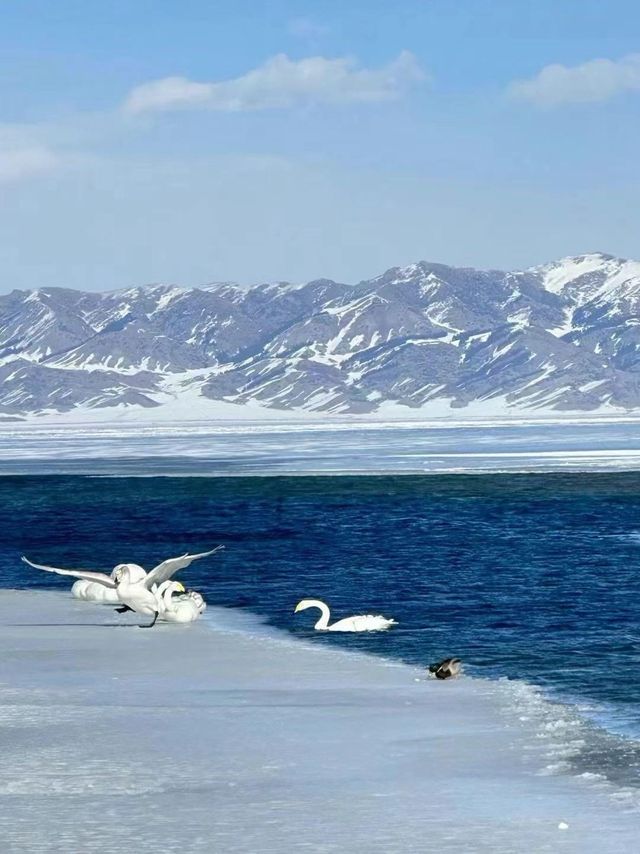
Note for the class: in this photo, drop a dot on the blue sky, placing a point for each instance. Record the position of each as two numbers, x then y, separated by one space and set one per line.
198 141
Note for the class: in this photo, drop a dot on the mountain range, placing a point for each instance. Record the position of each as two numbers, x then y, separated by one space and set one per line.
424 338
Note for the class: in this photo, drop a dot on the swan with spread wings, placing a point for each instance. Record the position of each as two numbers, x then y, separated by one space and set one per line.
136 593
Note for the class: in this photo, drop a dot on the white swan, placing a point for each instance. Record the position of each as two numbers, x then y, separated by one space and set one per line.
134 593
185 608
362 623
92 591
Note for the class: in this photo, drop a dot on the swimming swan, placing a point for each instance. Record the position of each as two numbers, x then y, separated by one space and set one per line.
183 608
134 593
362 623
91 591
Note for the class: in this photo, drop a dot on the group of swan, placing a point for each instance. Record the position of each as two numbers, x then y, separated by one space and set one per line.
152 594
155 595
176 604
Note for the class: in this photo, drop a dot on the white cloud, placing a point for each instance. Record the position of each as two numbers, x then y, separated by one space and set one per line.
281 82
19 163
596 80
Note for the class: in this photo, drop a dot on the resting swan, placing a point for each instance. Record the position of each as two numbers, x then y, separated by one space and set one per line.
92 591
184 608
362 623
134 593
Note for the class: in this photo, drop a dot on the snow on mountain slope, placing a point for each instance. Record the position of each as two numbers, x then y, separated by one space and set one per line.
563 336
585 276
603 305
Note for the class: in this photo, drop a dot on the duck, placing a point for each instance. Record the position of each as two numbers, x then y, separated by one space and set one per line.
446 669
360 623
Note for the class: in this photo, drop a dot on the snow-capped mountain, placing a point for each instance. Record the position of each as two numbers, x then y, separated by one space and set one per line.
428 337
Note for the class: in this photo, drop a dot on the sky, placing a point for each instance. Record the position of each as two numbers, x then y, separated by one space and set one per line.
192 141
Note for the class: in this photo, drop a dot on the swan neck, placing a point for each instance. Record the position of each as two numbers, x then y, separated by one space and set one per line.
166 593
323 622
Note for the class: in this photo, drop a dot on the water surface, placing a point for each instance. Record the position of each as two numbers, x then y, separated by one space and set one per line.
526 576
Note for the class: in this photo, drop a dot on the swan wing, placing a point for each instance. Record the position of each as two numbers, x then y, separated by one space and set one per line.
376 622
99 577
363 623
165 570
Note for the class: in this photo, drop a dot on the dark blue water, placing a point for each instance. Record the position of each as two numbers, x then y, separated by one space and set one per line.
533 576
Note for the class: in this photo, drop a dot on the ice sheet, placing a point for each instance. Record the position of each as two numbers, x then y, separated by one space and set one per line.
322 448
224 737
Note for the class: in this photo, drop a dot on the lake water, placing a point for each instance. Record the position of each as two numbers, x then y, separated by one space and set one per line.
532 577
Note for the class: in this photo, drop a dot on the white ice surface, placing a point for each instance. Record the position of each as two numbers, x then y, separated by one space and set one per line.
322 447
224 737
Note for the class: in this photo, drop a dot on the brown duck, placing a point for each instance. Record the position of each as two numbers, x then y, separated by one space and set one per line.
446 669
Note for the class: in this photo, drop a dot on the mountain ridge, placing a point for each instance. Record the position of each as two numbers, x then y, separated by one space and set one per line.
562 336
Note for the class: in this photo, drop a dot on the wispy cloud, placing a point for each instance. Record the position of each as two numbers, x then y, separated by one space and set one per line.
279 83
596 80
19 163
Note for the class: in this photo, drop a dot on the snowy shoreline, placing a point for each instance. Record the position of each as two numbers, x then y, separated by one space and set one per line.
229 736
132 419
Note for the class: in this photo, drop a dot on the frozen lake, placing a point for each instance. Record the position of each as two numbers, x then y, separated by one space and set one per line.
227 736
323 447
232 736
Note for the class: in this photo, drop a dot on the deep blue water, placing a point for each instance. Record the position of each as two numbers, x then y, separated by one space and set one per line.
533 576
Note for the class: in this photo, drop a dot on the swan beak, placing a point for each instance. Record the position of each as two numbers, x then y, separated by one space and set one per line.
296 609
181 587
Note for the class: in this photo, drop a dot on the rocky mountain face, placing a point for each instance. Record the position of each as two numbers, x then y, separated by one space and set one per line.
562 336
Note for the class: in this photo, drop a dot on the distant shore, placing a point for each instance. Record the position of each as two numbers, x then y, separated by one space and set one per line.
228 415
225 736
